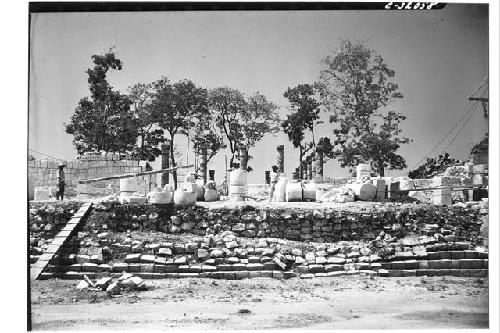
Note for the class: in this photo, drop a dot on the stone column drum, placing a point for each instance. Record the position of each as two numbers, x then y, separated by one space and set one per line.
243 157
165 162
203 163
280 161
319 165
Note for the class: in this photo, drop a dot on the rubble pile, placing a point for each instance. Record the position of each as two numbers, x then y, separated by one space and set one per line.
113 286
45 221
230 257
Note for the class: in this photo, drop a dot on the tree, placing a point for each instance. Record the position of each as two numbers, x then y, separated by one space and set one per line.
226 104
104 120
205 132
325 146
304 116
356 87
175 107
258 119
150 136
241 120
481 147
433 167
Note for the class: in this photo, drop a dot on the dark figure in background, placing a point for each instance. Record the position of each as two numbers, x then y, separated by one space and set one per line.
61 178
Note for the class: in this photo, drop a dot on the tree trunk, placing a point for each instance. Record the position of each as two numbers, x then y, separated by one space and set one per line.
301 156
231 147
231 161
380 168
172 159
314 141
142 143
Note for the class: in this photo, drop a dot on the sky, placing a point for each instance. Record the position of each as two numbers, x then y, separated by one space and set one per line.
440 57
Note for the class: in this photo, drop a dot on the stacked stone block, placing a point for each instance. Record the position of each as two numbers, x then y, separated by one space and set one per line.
44 173
269 258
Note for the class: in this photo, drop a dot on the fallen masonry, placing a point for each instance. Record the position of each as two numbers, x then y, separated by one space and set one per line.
113 286
381 239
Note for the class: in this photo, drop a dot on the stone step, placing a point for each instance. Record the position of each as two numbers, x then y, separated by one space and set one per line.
43 260
436 264
232 275
237 275
443 264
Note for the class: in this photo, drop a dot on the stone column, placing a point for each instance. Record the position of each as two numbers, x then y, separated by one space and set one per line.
203 163
310 169
393 189
303 171
381 189
441 196
280 161
165 162
319 165
268 177
243 157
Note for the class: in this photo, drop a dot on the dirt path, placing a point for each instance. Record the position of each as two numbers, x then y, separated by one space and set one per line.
359 302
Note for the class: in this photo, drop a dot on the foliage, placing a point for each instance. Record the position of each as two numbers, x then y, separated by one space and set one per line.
258 119
226 104
481 147
150 136
356 87
242 120
205 132
325 146
433 167
175 108
304 116
104 120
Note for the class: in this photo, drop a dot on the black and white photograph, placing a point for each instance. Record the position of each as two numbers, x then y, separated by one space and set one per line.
255 166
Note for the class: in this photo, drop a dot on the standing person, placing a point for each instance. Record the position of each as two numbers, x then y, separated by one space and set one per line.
274 179
61 178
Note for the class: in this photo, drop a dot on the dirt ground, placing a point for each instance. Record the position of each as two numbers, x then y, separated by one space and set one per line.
358 302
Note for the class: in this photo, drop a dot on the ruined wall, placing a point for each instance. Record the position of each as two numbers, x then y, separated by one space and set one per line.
115 239
320 225
44 172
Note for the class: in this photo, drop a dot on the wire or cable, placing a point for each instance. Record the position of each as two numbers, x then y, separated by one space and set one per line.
460 129
55 158
482 82
469 111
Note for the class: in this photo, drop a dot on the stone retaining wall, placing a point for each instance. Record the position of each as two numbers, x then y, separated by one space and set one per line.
318 225
395 240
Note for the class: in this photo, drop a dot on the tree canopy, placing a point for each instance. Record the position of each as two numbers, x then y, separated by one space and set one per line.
356 87
303 117
103 120
150 135
205 132
242 120
175 108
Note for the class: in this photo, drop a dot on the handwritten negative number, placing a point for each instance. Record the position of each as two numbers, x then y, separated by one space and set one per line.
408 5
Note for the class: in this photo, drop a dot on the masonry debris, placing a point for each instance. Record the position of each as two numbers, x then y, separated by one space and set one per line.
125 283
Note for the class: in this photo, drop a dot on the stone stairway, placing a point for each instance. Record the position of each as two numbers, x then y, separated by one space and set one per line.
58 242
